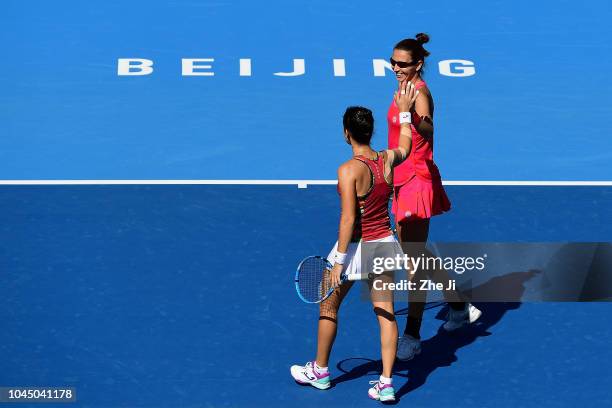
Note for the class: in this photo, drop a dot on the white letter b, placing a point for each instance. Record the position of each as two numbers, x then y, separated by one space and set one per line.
134 66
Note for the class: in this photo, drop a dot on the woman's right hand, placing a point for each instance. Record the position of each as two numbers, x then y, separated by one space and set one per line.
335 275
406 96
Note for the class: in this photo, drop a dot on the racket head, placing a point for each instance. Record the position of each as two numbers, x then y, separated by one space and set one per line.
312 279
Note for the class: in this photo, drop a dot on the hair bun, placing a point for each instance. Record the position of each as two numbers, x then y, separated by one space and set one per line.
422 38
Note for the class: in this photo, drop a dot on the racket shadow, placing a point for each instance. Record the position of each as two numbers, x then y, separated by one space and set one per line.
351 369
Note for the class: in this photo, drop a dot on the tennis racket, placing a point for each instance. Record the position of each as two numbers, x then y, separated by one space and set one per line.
312 279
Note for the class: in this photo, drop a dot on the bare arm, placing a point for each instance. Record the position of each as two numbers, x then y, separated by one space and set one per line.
405 101
424 111
347 183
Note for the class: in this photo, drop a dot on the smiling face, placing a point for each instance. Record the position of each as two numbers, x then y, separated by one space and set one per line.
404 66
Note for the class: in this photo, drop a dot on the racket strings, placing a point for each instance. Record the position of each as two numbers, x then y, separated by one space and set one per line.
314 280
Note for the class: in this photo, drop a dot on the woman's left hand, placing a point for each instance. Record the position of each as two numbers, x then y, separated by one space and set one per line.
335 275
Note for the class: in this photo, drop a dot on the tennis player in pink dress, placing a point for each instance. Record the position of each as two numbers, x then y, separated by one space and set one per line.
418 192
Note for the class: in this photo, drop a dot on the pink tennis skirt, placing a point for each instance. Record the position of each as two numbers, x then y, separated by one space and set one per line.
419 199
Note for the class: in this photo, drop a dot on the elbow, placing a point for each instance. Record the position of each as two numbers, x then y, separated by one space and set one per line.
426 131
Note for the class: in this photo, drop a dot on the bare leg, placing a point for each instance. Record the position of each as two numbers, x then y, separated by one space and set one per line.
415 233
328 323
383 308
325 339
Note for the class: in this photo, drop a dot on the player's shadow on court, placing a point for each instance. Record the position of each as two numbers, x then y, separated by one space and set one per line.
440 350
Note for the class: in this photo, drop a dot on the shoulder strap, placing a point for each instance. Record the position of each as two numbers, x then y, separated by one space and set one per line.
418 85
372 179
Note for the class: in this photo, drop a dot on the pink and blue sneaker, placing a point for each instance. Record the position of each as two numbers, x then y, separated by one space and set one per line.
381 392
306 374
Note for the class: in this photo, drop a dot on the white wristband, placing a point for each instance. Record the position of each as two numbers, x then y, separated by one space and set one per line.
405 117
339 258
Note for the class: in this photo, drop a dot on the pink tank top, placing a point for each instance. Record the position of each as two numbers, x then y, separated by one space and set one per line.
420 160
373 220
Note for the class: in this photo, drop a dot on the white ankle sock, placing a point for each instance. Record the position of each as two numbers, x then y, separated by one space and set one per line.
385 380
320 370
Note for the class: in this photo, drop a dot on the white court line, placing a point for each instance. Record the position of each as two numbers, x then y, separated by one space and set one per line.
298 183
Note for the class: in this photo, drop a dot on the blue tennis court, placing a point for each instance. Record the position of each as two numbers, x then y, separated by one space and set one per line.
182 295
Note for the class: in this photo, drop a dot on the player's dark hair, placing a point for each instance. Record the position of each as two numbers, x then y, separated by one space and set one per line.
415 47
360 123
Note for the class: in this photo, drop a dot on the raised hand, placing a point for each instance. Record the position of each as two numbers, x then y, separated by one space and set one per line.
406 96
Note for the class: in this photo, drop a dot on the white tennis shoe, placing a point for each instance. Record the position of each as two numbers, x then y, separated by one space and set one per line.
459 318
306 374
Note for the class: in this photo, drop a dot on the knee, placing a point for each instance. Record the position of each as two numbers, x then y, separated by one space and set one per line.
383 313
334 320
328 311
